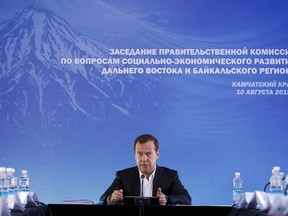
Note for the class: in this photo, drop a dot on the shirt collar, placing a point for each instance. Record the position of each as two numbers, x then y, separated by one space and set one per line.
150 177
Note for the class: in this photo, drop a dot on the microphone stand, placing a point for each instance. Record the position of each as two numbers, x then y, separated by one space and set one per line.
142 202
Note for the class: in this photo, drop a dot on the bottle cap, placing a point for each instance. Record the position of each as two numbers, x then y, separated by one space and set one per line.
9 170
24 173
2 170
237 174
276 169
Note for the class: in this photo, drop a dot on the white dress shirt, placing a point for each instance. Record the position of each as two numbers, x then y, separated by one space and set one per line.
147 184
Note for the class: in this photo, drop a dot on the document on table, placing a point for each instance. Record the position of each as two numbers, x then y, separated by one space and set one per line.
79 201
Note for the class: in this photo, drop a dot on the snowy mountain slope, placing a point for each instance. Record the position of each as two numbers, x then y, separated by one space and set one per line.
35 88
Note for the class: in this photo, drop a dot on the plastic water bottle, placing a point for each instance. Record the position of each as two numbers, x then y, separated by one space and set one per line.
14 182
3 183
237 187
11 181
282 175
24 181
286 185
276 184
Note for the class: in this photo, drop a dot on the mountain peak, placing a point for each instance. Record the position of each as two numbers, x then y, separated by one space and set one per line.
35 83
29 11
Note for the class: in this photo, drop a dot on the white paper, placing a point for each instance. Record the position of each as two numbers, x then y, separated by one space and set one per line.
80 201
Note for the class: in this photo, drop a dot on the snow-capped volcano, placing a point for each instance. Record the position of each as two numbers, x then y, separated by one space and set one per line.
36 88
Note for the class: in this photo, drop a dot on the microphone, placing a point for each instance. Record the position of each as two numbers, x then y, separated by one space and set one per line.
286 189
142 185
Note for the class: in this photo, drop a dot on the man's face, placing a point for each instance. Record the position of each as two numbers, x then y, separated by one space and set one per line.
146 156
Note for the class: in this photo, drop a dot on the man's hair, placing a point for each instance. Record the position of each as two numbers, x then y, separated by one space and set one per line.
145 138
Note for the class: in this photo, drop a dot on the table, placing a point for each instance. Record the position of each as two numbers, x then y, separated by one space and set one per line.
247 212
133 210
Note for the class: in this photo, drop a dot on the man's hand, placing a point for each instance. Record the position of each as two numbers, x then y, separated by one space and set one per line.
116 196
161 196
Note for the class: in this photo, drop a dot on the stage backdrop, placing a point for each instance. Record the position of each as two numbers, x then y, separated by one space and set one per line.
80 79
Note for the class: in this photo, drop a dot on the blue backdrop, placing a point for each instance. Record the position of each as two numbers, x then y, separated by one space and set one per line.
72 127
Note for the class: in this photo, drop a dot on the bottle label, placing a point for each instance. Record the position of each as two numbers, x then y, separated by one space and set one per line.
4 193
237 194
277 191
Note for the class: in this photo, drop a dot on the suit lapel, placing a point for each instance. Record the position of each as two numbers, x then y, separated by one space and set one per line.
136 182
156 181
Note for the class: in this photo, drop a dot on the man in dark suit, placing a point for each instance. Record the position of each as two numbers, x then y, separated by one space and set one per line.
147 179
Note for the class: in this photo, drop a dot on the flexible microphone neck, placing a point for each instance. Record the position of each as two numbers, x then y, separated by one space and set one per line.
142 185
266 186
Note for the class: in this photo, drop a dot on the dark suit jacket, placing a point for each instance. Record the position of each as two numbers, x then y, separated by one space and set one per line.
165 178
